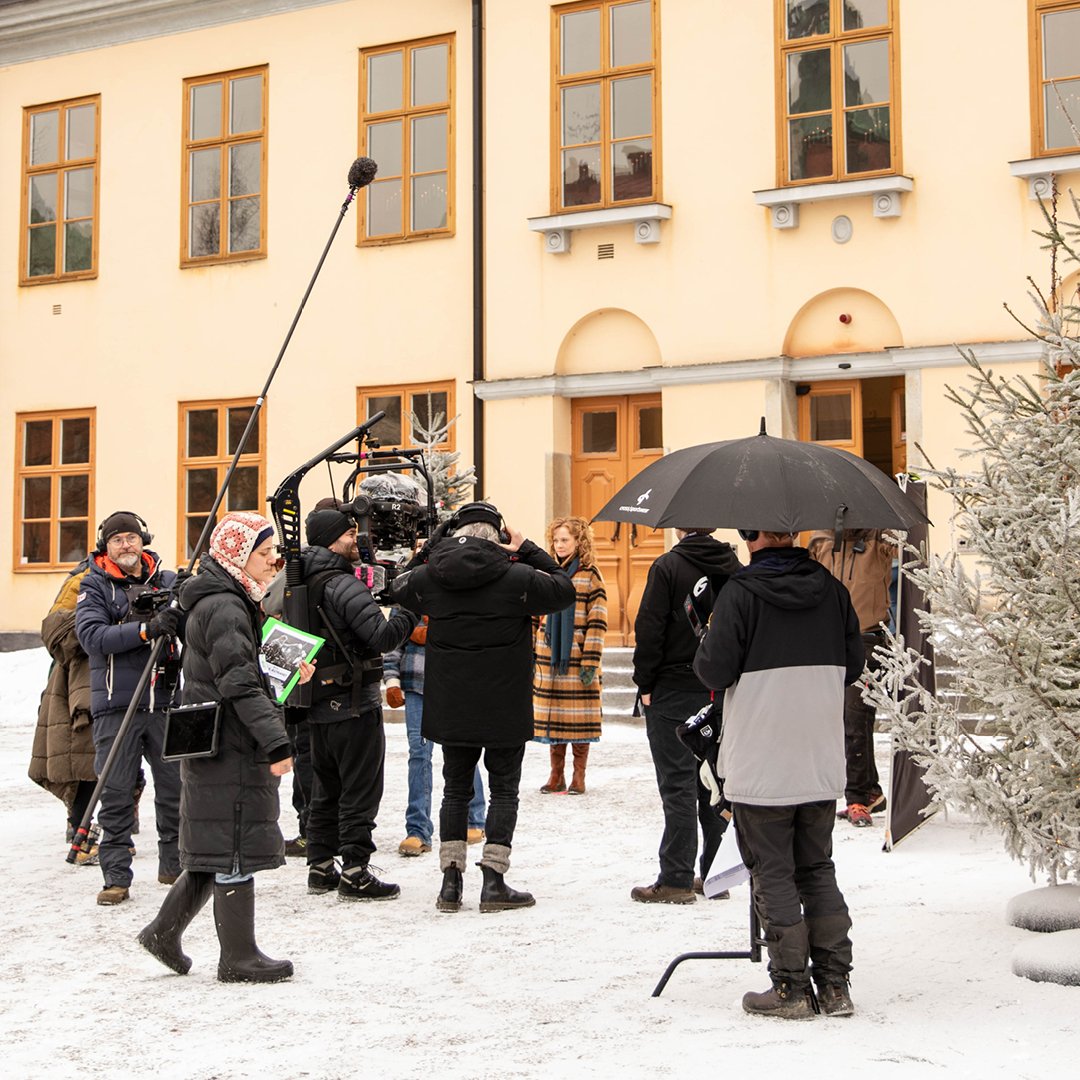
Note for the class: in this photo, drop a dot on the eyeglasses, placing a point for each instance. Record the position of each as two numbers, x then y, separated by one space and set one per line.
124 540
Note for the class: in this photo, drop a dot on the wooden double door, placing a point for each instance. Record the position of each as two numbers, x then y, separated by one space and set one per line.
614 439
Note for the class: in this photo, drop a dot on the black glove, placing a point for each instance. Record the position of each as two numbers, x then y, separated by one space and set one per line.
166 623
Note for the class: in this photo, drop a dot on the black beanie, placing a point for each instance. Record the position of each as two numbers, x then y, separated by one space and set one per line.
121 521
323 527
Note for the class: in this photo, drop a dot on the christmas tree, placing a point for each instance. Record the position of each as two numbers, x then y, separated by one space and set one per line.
1008 620
450 486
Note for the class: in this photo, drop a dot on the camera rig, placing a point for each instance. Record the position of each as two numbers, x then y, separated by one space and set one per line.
388 524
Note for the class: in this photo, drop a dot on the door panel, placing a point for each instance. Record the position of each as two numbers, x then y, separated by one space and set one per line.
831 413
612 438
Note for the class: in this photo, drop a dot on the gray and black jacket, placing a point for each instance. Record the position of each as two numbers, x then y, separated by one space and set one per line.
783 642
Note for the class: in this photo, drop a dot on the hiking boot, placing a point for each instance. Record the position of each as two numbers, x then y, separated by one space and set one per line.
875 805
167 879
857 815
449 898
359 883
296 848
474 836
412 846
112 895
88 850
699 888
322 877
783 1000
496 895
835 1000
556 782
662 894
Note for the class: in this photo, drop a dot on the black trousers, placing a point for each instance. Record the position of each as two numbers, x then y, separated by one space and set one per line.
685 799
503 764
788 851
303 778
347 759
863 785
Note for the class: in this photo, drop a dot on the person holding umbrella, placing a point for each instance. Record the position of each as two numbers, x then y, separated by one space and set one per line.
783 642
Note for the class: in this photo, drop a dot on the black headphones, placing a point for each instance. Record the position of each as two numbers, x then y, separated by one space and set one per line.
145 535
749 535
478 511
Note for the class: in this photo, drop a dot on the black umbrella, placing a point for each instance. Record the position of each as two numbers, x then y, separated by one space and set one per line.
774 485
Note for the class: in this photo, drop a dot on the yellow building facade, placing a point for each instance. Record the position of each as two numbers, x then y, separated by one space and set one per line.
684 215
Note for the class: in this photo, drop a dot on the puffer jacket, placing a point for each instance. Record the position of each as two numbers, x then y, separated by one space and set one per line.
109 632
229 803
479 664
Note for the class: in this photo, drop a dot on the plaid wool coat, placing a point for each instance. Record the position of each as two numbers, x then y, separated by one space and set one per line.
563 709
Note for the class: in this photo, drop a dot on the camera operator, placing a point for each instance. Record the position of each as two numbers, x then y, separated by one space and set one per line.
348 745
119 611
481 596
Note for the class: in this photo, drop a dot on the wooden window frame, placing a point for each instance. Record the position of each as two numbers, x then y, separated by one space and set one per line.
406 114
55 470
410 391
605 75
224 141
61 166
1036 10
835 41
219 461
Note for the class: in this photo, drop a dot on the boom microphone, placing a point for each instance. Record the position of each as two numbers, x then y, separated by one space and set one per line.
362 172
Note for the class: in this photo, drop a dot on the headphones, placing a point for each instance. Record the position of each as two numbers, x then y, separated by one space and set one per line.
749 535
145 535
479 511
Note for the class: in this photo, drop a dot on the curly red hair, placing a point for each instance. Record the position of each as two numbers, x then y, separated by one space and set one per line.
581 531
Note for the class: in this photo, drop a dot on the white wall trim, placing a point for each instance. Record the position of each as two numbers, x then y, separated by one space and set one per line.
884 192
557 228
897 361
1039 172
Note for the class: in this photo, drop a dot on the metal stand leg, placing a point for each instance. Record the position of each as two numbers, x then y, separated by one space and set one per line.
753 954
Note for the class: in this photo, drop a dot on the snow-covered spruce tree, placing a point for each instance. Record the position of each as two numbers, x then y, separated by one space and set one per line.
451 486
1010 623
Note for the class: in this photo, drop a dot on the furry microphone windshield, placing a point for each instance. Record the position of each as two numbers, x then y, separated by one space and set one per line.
362 172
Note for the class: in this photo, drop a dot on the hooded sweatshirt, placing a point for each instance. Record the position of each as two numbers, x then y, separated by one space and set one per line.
783 643
665 641
479 663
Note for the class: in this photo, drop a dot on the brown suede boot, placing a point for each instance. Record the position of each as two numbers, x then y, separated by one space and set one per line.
557 780
581 757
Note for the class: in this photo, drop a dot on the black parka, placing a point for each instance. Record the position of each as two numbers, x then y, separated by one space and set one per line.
229 803
479 663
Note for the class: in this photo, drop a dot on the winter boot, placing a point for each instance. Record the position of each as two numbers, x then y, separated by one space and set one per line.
359 883
496 895
834 999
557 780
322 877
161 938
581 756
241 960
450 893
785 1000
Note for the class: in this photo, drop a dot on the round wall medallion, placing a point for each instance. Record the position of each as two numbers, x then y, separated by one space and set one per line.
842 229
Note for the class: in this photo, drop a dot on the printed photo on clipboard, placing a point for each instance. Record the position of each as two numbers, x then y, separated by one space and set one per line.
283 648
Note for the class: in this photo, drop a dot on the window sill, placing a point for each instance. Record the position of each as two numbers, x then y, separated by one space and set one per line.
557 228
1039 172
884 192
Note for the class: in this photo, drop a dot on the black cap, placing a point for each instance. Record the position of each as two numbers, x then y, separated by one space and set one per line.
478 511
323 527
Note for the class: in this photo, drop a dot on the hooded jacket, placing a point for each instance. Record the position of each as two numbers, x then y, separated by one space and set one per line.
479 665
864 565
108 631
665 642
783 642
229 803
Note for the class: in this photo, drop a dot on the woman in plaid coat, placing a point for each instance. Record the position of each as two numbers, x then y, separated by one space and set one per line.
569 644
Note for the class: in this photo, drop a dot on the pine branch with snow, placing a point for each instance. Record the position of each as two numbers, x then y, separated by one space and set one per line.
451 486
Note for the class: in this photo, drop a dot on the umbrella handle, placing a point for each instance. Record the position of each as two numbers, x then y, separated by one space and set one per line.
633 536
618 529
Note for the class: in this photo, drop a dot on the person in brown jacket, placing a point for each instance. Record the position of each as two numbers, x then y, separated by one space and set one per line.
863 563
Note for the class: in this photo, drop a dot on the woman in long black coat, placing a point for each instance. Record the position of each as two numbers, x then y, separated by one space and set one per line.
229 802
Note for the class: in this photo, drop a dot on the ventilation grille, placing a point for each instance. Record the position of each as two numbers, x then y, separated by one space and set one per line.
56 309
605 251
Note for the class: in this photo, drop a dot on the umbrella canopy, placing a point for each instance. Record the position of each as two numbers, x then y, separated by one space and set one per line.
764 483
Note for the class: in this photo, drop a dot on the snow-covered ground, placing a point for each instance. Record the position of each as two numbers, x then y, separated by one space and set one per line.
563 989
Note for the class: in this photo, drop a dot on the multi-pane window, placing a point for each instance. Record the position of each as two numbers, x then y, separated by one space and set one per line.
224 167
411 411
54 488
606 109
1057 76
838 89
59 191
210 432
407 127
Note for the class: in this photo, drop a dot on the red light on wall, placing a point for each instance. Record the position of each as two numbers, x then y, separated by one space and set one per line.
845 318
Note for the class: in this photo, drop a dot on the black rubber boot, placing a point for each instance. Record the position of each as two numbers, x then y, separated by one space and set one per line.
450 893
186 898
496 895
241 960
